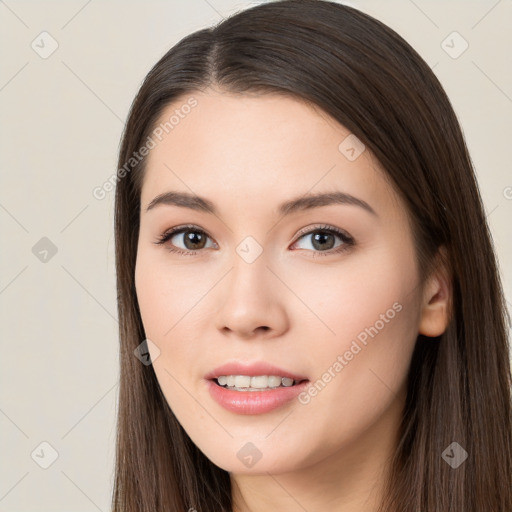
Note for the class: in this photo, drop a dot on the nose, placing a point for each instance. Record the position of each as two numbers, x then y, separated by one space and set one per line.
252 301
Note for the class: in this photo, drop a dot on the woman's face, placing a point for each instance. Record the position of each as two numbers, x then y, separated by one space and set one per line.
258 282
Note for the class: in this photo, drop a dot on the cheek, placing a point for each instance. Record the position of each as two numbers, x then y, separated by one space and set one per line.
359 376
164 293
171 298
370 312
148 289
345 299
157 300
371 296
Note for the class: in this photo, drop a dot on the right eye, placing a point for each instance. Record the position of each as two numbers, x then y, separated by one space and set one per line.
193 238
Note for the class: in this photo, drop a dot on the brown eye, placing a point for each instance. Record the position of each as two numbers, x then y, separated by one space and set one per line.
323 240
192 239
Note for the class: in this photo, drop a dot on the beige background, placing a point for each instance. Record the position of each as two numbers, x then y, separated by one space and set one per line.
62 121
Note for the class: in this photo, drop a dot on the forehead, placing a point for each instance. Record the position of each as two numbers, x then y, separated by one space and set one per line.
254 150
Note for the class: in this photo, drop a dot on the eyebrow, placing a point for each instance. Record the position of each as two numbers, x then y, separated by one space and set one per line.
305 202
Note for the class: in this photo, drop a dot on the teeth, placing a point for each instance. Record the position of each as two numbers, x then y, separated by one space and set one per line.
254 383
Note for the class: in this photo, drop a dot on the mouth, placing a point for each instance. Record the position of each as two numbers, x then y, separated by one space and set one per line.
254 388
256 376
254 394
255 382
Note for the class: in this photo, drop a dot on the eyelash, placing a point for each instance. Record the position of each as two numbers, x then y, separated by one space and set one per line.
348 241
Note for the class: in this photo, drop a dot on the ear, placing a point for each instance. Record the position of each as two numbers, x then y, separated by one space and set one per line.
437 294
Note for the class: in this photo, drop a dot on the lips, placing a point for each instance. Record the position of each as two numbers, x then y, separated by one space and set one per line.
252 370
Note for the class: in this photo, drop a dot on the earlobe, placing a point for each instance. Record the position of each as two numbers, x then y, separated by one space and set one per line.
435 313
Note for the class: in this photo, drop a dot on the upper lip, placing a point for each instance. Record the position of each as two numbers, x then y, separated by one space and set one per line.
252 369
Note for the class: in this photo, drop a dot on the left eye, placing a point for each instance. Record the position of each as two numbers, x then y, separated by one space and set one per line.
323 240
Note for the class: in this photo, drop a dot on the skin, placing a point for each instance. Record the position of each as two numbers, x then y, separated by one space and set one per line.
247 154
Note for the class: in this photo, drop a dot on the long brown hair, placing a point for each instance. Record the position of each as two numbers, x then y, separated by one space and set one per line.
369 79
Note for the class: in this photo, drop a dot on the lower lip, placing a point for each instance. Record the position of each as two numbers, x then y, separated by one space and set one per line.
254 402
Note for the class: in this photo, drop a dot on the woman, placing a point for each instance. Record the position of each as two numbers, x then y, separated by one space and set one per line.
311 315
